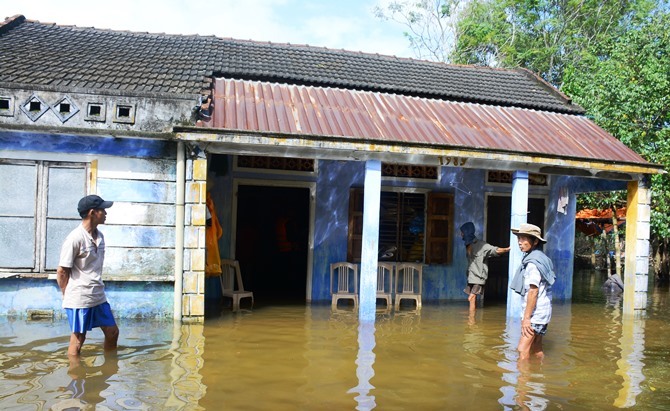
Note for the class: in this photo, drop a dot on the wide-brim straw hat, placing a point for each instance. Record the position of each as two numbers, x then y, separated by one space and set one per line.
531 230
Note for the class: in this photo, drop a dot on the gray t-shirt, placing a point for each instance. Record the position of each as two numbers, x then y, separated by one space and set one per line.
84 256
478 269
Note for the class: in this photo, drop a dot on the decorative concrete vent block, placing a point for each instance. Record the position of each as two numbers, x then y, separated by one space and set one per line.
6 106
65 109
124 113
96 111
34 107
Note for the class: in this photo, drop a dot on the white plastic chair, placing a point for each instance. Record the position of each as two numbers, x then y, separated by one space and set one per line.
409 287
346 275
385 272
229 276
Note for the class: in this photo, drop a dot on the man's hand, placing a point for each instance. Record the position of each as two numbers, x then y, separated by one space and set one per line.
526 329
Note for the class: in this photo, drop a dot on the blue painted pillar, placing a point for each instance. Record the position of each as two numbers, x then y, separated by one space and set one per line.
370 252
519 216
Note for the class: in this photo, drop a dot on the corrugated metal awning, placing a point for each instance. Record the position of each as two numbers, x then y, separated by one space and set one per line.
371 124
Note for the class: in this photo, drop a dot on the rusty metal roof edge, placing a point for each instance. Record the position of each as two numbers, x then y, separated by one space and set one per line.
638 168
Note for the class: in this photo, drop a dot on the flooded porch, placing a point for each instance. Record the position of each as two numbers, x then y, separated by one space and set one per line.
287 357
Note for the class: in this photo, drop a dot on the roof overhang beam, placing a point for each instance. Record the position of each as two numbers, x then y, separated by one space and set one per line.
325 148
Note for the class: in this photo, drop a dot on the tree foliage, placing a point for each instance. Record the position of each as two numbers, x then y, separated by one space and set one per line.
626 90
544 36
611 57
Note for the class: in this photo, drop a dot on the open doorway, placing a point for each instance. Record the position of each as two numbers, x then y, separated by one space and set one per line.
272 242
499 208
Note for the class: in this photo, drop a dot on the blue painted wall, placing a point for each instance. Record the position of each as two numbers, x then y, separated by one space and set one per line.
128 299
440 282
560 236
332 219
75 144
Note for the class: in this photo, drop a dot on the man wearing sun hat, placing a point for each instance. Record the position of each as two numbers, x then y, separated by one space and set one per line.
79 277
533 281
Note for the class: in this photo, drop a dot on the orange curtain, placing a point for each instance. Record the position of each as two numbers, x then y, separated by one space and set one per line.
213 232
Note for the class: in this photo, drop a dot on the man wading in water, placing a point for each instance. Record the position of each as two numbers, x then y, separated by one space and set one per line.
533 280
79 277
478 253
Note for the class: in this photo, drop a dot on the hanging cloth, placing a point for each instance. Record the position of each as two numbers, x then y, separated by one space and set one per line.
213 232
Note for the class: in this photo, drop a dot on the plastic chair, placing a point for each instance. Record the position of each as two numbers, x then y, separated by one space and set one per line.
410 287
385 272
229 276
346 275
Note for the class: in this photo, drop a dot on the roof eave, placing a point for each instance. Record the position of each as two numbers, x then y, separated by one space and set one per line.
338 148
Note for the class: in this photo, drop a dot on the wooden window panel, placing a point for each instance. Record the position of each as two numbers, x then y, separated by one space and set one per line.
439 228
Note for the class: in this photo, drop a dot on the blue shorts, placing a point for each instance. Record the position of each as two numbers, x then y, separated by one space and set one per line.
86 319
540 329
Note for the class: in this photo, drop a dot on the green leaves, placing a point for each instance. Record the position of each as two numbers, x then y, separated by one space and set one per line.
626 90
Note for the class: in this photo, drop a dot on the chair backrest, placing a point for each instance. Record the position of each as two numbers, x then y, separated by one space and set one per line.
385 278
409 276
346 275
230 275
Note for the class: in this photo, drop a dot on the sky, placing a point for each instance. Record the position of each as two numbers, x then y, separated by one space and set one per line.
336 24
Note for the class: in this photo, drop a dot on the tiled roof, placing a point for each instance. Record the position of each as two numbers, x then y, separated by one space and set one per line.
66 56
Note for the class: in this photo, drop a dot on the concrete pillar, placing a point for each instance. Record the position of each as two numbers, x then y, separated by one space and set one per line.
638 222
370 251
518 217
193 288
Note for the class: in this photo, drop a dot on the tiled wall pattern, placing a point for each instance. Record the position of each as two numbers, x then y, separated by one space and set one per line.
193 291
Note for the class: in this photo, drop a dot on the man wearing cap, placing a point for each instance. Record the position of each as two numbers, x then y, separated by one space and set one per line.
79 277
533 281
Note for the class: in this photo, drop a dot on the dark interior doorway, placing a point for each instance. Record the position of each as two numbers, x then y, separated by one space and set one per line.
499 209
272 242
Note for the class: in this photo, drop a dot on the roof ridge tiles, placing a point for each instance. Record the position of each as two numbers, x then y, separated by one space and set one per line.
111 30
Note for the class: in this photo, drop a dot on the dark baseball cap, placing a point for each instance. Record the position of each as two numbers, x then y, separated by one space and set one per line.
92 202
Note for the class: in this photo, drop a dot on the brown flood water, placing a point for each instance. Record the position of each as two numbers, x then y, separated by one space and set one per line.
310 358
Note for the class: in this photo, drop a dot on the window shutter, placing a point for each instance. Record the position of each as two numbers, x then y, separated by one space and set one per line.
355 239
439 221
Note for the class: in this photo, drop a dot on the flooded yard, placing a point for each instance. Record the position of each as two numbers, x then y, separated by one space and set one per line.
310 358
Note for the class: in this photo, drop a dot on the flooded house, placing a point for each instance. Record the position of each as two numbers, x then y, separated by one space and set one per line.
308 156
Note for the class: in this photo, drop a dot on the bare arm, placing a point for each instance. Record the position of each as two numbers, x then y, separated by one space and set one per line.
531 302
500 250
62 277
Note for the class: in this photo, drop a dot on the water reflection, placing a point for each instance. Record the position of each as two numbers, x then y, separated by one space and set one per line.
310 357
187 349
364 370
631 364
88 382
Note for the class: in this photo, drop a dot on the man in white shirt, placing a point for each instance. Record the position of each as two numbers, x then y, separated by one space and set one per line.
79 276
533 281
